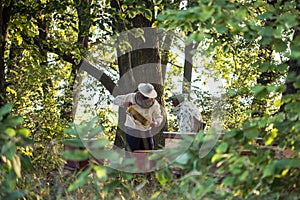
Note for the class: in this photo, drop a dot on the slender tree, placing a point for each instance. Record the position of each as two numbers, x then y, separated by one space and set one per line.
6 11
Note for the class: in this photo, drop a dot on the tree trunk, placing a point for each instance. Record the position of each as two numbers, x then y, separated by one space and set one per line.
136 61
294 70
5 15
188 66
159 140
43 27
166 44
72 93
134 65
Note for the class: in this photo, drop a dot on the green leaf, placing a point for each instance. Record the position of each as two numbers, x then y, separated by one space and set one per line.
95 131
244 176
292 163
105 154
236 171
263 122
260 91
5 110
206 12
279 117
10 132
295 50
266 15
222 148
162 177
266 31
76 155
127 176
183 159
101 172
257 89
221 28
231 133
293 116
266 40
19 38
282 68
124 7
157 2
9 150
251 133
161 17
99 143
73 142
271 137
242 12
148 14
271 88
296 84
216 157
71 131
25 162
15 195
269 170
13 121
228 181
79 130
23 132
279 45
297 127
111 186
9 181
89 126
293 106
81 181
232 92
156 195
132 13
264 67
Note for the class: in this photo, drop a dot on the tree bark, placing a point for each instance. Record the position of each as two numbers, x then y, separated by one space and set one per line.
166 45
43 27
5 16
131 64
188 66
294 70
83 9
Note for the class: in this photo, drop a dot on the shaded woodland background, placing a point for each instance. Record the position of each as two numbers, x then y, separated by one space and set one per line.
254 47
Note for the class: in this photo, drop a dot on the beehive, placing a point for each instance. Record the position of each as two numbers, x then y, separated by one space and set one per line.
138 116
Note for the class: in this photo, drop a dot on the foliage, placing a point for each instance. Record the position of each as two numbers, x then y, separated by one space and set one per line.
107 119
101 182
34 79
267 166
242 51
245 40
14 142
254 47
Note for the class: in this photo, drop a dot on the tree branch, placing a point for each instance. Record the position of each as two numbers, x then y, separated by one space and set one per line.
97 42
99 75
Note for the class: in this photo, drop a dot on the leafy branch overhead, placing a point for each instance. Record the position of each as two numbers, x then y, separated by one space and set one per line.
251 47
